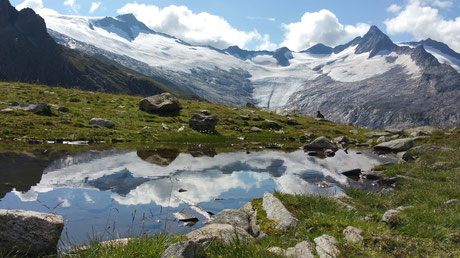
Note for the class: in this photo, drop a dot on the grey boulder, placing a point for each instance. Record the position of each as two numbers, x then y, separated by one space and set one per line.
235 218
102 122
277 212
29 233
204 123
162 103
320 144
326 246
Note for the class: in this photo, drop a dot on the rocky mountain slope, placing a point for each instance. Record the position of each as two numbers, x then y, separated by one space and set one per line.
370 81
29 54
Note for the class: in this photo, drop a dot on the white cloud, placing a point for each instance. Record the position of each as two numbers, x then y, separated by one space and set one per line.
394 8
72 5
261 18
34 4
266 44
37 6
64 203
424 21
320 27
442 4
69 3
195 28
94 6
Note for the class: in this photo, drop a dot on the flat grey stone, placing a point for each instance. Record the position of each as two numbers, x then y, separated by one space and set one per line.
397 145
223 232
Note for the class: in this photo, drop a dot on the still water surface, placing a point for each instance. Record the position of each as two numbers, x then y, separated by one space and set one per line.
113 194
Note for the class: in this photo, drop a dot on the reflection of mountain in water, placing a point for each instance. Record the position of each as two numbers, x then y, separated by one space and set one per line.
20 171
121 182
154 176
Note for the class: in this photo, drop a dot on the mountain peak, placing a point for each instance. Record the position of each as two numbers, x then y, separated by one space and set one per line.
126 26
319 49
375 41
374 30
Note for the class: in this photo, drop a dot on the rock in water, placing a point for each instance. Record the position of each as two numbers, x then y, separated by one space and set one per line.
395 145
29 233
102 122
184 249
277 212
162 103
203 123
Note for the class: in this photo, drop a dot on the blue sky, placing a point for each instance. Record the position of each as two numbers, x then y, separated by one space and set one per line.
298 24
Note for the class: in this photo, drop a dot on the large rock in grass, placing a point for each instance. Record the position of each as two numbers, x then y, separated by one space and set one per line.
320 144
235 218
29 233
221 232
162 103
203 122
277 212
102 122
395 145
270 124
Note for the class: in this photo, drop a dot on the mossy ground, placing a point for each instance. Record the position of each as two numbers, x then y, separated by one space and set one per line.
133 125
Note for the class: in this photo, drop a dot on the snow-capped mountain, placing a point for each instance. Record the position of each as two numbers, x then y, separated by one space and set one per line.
369 81
29 54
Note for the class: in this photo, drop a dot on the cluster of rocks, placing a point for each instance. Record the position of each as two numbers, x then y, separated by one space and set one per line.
241 224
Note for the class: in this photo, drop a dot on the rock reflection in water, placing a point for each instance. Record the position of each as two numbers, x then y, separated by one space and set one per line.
160 157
